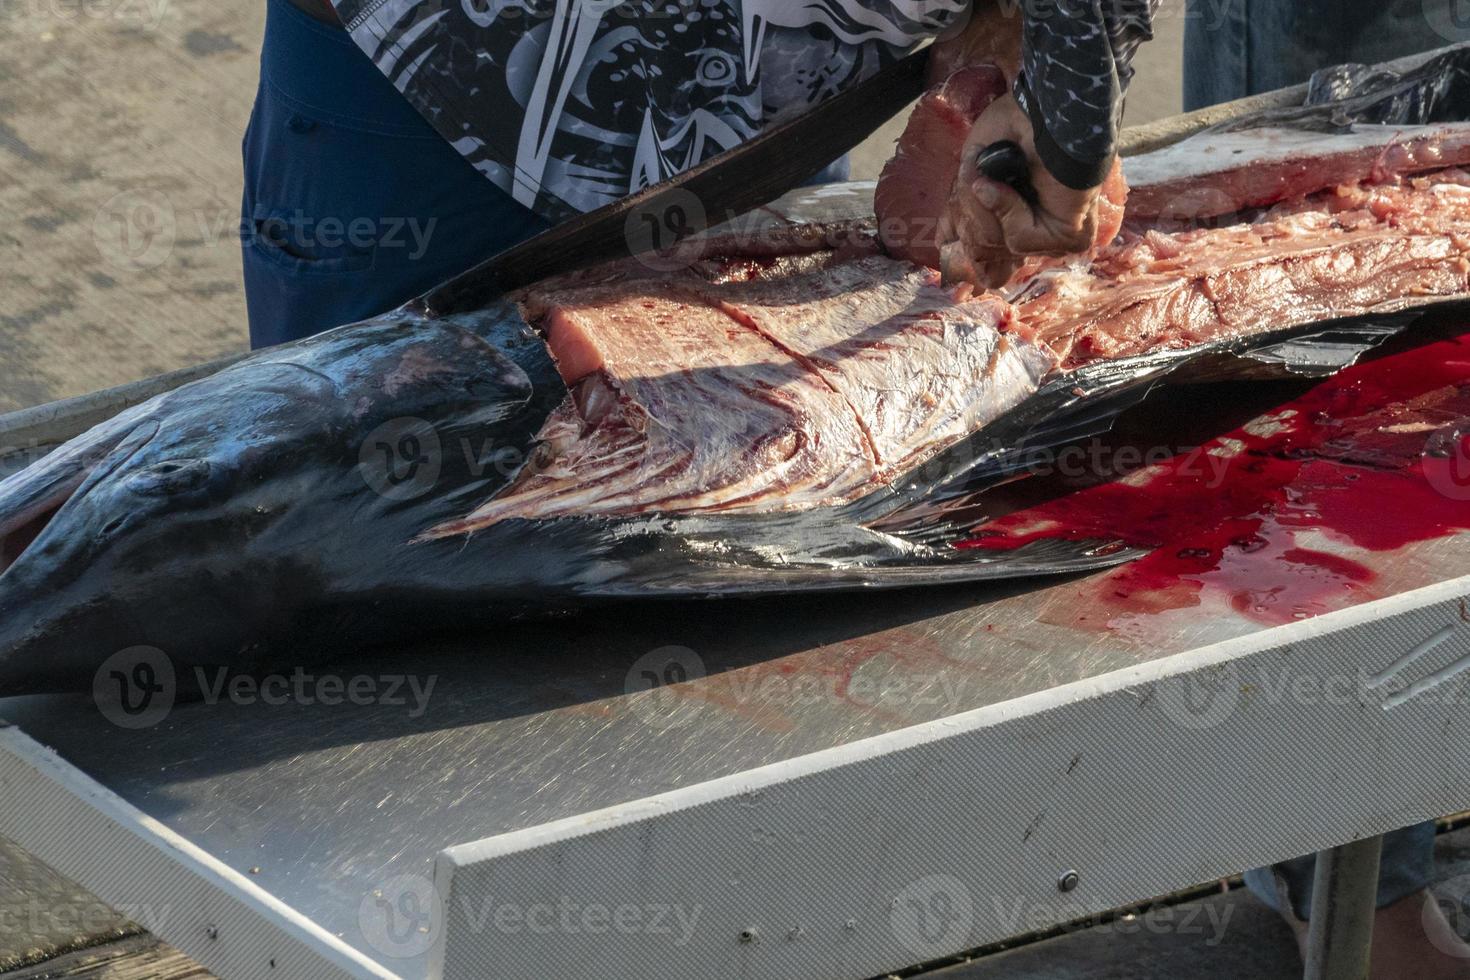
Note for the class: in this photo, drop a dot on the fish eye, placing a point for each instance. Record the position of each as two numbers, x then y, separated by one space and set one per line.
170 476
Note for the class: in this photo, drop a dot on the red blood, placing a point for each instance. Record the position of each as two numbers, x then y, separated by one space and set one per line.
1374 459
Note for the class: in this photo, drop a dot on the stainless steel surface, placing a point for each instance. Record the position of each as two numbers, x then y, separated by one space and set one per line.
870 855
536 723
323 805
211 912
1340 939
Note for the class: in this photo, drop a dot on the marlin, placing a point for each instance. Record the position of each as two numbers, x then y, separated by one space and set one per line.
799 409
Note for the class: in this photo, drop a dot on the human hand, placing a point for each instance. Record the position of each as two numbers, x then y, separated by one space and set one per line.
1005 204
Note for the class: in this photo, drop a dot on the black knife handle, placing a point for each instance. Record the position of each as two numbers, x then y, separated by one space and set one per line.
1005 163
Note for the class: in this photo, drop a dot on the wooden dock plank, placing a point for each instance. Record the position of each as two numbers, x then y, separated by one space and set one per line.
135 958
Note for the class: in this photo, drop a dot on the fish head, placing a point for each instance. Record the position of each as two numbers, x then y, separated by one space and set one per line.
217 516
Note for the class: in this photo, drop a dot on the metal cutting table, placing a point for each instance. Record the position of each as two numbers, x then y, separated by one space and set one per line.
841 787
819 787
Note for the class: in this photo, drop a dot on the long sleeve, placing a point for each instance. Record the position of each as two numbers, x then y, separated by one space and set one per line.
1076 58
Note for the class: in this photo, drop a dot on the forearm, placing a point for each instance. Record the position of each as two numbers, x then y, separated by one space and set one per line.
1076 63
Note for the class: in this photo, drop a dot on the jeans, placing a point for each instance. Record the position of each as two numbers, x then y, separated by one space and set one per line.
1235 48
1407 866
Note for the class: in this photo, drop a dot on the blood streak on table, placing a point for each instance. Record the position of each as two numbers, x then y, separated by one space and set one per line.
1373 459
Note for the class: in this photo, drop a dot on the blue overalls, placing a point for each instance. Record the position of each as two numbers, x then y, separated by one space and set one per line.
353 203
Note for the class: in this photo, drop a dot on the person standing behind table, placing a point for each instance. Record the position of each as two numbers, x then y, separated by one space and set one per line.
385 159
445 129
1236 48
352 202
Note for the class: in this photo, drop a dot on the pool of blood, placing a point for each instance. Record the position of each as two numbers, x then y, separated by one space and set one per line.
1374 459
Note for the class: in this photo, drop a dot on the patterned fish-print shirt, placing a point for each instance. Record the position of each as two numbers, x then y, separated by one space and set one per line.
570 104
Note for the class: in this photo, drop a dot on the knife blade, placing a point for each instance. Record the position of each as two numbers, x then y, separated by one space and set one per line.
717 190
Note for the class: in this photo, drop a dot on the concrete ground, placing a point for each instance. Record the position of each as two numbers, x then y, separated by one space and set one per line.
120 125
41 912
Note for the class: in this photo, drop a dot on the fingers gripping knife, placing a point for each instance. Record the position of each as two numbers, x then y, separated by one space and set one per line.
1005 163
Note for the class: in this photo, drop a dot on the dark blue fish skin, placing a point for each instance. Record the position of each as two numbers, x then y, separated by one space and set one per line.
255 505
274 514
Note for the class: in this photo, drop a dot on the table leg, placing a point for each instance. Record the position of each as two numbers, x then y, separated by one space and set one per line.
1343 902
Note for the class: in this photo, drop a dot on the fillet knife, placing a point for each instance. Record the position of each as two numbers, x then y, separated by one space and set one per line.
717 190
